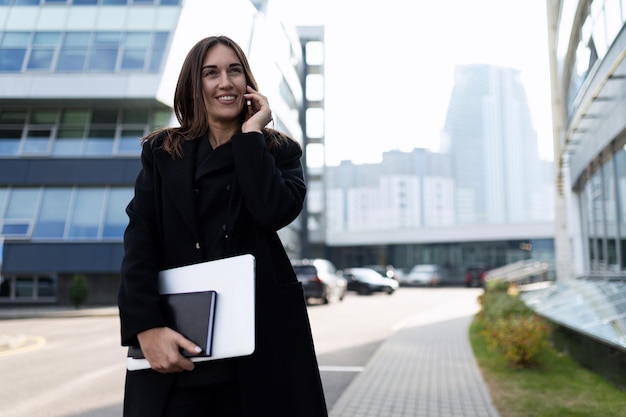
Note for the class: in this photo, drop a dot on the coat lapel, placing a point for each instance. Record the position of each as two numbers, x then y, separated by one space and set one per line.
178 182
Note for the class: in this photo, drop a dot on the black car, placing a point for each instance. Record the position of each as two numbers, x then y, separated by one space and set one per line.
320 280
366 281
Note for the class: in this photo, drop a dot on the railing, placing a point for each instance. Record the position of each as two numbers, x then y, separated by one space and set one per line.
522 272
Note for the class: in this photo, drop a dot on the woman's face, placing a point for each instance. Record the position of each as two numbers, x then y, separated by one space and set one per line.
223 84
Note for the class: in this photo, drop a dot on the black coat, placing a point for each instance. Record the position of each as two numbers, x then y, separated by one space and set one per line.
281 378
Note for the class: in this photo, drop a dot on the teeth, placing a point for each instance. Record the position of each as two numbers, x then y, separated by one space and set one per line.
226 98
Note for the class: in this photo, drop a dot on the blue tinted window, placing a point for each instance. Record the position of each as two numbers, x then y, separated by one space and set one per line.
53 215
136 46
87 213
76 39
25 2
69 141
44 45
11 59
73 51
129 141
15 229
22 203
100 142
37 141
10 141
40 59
158 50
83 2
114 2
103 56
116 220
72 60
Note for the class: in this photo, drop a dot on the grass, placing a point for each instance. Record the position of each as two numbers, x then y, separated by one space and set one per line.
557 387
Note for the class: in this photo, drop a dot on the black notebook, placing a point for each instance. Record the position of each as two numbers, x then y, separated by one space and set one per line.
191 314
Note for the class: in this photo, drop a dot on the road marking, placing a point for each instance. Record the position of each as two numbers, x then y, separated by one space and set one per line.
30 343
341 368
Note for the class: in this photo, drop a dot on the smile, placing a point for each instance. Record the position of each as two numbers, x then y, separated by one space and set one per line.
226 98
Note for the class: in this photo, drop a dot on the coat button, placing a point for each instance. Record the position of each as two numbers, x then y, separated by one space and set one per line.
197 245
196 192
228 188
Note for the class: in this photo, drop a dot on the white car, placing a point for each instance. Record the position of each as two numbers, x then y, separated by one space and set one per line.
424 275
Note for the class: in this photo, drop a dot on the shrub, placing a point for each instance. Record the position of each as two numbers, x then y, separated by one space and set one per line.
520 338
78 290
511 327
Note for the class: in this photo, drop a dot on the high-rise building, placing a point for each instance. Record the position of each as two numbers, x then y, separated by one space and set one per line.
81 82
493 147
485 198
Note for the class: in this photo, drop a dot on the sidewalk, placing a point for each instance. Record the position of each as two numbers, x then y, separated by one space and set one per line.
422 370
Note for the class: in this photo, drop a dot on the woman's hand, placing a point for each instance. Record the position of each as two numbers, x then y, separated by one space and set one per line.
161 347
259 112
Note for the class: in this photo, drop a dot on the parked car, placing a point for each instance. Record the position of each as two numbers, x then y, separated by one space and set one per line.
320 280
387 271
367 281
424 275
475 275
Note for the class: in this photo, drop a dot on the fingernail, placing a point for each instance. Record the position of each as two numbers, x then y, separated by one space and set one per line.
197 349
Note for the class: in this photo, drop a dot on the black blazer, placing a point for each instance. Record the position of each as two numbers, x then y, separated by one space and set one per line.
267 193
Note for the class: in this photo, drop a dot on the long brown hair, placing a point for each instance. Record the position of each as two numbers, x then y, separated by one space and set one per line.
189 104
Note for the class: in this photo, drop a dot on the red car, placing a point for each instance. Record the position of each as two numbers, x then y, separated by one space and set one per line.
475 276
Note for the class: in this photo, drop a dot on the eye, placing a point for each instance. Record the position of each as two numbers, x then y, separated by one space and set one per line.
235 70
209 73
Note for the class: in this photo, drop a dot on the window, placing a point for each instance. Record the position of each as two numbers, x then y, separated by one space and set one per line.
82 51
43 50
115 219
73 52
77 132
53 217
13 47
64 213
136 46
28 287
20 211
87 212
103 55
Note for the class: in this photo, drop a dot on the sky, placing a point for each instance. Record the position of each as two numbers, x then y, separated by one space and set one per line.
389 66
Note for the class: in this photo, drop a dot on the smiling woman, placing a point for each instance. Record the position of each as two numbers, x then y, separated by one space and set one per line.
220 185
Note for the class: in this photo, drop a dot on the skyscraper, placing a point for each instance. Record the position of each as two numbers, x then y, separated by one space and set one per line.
493 148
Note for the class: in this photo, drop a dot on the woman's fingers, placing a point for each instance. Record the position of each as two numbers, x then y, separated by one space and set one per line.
161 347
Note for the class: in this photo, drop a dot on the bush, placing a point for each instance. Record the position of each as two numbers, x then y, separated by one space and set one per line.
511 327
78 290
520 338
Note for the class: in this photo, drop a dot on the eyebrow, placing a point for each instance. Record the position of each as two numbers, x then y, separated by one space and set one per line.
215 66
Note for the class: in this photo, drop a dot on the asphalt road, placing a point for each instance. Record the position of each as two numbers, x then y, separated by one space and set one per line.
75 367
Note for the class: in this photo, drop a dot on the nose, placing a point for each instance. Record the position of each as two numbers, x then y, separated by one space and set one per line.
225 81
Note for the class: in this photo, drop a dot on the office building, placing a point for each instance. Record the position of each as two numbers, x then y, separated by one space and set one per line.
587 41
82 82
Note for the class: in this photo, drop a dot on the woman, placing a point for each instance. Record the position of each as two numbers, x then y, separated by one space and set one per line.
219 185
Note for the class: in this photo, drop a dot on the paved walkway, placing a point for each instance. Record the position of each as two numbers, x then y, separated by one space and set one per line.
424 369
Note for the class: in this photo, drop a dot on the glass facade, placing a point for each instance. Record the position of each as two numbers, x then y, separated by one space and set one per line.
88 2
603 198
63 52
64 213
76 132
